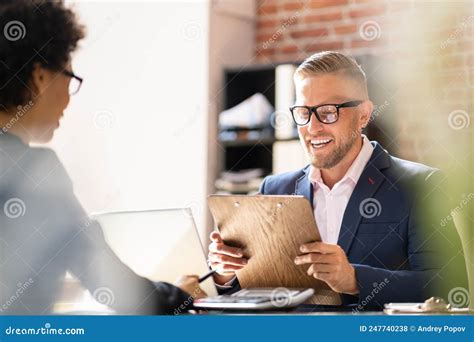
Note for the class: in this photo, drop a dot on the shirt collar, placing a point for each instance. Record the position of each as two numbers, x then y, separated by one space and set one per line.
355 170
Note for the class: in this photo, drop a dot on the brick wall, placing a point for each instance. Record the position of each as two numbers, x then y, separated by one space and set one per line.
423 65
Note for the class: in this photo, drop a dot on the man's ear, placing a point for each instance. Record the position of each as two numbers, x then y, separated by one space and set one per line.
366 109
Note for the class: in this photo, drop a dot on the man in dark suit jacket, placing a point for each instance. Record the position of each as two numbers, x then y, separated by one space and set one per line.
390 245
379 216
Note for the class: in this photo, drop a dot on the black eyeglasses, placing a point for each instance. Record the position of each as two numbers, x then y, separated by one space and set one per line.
75 83
326 113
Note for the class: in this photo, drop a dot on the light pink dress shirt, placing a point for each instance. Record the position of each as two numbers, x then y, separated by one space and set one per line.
330 205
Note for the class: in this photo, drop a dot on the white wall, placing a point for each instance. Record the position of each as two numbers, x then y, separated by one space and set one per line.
134 137
231 44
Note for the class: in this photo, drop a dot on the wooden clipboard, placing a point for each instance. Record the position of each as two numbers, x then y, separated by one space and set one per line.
270 230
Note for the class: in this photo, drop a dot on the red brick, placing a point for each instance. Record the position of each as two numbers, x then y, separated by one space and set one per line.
266 23
293 6
262 38
324 46
323 17
367 12
265 52
289 49
345 29
291 20
267 9
327 3
310 33
267 2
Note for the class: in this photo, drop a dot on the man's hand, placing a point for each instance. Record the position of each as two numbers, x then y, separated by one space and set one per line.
190 284
225 259
329 263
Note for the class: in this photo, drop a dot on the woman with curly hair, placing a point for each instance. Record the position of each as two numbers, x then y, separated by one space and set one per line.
44 231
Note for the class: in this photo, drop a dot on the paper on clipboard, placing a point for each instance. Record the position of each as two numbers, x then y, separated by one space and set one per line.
270 230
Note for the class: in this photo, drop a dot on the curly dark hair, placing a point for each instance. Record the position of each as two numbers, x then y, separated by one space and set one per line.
33 32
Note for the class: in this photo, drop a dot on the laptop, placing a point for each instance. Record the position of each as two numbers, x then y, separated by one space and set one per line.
160 245
164 244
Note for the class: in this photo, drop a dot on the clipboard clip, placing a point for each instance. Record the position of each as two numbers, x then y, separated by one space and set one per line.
279 204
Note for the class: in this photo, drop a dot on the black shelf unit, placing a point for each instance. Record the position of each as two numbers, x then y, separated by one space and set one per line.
240 84
249 156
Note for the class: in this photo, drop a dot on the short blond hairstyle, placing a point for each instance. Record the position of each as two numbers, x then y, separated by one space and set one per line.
331 62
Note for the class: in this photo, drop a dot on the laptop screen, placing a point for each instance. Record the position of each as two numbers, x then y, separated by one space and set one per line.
157 244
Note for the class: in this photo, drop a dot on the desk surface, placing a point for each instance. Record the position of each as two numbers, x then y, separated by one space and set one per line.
322 310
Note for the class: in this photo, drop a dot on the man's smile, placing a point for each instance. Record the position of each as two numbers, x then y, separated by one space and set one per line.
320 142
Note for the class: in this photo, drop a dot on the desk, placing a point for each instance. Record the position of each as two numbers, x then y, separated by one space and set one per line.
323 310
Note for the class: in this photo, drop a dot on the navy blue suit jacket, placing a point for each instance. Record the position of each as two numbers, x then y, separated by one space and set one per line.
400 252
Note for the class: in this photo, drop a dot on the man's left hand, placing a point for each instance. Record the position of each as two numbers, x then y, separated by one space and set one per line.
329 263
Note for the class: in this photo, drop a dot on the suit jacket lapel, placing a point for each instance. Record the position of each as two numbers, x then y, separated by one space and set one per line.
370 180
304 187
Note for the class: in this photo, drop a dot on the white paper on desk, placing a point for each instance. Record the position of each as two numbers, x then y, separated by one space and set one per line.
254 111
404 307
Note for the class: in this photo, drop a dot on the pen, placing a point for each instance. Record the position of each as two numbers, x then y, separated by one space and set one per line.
207 275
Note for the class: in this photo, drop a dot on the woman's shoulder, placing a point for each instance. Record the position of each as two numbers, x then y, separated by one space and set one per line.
30 166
